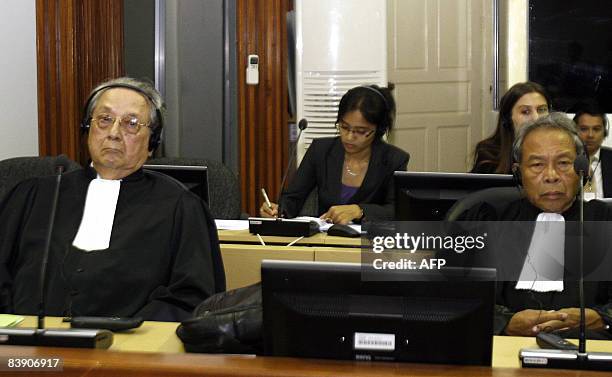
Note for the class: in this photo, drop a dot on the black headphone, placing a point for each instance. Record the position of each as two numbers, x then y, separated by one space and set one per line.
516 175
156 132
378 92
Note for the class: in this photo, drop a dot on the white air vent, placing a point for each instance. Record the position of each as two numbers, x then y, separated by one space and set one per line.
339 45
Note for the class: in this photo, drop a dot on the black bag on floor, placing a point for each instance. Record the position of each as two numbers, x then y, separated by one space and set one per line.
227 322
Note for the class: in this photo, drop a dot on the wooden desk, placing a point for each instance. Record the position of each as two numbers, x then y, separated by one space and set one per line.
319 239
160 355
243 236
150 337
242 262
242 253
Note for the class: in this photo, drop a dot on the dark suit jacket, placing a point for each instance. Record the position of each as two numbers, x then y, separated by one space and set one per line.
322 168
605 158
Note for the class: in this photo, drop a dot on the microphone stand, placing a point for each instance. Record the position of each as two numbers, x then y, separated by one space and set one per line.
582 325
78 338
45 260
302 125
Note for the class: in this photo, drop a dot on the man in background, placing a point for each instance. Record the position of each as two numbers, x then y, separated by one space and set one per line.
592 125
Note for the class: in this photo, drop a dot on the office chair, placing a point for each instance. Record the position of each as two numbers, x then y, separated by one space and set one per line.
16 169
311 205
497 197
223 185
219 174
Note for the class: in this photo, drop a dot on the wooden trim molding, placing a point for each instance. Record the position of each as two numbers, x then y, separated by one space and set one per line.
79 43
262 108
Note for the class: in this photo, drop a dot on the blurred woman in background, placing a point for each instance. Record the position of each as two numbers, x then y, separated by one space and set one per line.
523 102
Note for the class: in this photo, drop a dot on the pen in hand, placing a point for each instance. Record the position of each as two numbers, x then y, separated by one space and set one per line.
265 195
268 209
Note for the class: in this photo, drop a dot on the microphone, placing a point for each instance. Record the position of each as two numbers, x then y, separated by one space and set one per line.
302 125
560 357
280 226
85 338
581 166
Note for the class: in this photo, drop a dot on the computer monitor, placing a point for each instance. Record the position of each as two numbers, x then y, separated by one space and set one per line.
426 196
326 310
194 177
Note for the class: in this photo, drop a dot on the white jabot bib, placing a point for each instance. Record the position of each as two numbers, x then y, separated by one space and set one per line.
97 223
543 267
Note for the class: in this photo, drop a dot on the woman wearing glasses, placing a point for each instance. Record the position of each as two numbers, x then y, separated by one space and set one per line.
352 172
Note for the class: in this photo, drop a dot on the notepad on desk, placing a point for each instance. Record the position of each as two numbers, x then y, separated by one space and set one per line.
231 224
10 320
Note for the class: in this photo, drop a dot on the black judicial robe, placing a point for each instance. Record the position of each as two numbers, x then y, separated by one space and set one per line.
597 249
158 264
321 168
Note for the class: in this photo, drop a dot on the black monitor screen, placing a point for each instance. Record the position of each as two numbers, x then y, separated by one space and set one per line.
425 196
326 310
570 50
194 177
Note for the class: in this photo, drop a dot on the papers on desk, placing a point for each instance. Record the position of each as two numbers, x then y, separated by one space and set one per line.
324 226
232 224
10 320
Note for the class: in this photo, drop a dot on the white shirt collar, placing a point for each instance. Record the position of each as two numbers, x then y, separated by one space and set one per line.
543 267
98 215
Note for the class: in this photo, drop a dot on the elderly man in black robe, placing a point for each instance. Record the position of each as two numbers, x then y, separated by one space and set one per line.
126 242
536 248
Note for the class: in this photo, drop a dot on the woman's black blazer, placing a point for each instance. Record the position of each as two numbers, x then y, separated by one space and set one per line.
322 166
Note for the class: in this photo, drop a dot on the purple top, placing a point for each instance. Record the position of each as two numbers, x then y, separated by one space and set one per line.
347 193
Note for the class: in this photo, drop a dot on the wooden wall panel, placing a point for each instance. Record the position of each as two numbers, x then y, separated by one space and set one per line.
262 109
56 77
79 43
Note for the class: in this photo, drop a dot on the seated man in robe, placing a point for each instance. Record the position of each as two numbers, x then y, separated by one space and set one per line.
538 268
126 242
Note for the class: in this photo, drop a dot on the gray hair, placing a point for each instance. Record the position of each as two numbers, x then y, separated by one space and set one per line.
143 87
556 121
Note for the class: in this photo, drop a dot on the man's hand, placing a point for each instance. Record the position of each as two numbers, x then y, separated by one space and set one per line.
531 322
266 211
592 319
342 214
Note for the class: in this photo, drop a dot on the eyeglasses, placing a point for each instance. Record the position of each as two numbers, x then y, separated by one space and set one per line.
346 129
129 123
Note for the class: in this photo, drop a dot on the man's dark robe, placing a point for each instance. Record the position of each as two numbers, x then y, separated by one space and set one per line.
508 252
158 264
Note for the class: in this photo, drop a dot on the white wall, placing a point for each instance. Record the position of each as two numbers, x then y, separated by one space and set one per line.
18 90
